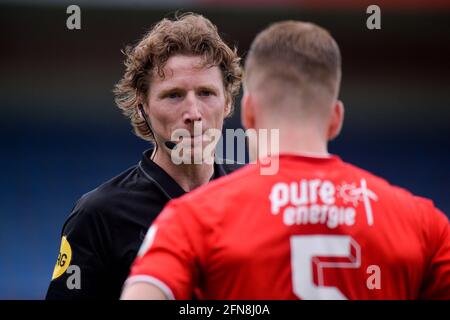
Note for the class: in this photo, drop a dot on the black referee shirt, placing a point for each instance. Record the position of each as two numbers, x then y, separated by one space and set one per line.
102 235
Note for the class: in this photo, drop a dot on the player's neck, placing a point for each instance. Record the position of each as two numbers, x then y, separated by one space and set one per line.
188 176
301 141
304 146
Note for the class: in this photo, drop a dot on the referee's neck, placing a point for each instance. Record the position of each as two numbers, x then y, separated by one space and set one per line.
188 176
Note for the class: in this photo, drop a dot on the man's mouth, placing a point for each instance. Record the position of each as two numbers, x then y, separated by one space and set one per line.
192 139
192 136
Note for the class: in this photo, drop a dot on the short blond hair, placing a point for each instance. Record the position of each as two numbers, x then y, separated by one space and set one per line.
189 34
297 55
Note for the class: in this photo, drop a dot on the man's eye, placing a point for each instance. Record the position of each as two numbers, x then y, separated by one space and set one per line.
173 95
205 93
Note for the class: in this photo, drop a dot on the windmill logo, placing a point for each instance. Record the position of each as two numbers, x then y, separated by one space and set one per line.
354 194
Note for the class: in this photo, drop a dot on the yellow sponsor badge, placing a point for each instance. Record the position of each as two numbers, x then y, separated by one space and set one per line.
64 257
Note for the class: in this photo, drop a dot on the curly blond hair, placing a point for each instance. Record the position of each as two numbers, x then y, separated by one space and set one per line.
190 34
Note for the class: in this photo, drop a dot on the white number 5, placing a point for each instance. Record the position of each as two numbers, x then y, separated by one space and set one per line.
306 250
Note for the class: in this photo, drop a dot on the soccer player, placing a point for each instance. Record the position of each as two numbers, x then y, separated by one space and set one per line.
319 228
180 73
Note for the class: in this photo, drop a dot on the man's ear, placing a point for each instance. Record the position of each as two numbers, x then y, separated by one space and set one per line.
141 107
227 109
247 111
337 119
140 103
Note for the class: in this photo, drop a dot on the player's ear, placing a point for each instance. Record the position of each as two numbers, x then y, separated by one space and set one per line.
337 119
247 111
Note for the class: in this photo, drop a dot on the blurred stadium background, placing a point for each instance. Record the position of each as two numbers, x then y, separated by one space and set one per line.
62 134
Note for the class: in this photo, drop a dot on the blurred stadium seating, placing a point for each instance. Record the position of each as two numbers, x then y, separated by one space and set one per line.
62 135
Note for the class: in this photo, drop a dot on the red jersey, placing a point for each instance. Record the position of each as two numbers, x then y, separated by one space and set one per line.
317 229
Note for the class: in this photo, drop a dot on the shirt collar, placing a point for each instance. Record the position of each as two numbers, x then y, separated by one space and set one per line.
163 180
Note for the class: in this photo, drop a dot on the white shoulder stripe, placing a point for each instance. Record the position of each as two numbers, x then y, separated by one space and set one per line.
148 240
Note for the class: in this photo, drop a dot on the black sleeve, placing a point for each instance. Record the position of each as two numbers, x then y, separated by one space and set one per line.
81 267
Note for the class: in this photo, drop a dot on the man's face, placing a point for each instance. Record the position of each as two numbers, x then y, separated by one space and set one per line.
188 93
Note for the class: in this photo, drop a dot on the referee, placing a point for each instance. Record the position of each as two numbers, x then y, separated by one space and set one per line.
180 73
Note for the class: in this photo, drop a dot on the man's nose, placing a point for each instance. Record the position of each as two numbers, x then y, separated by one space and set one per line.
192 112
